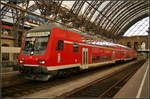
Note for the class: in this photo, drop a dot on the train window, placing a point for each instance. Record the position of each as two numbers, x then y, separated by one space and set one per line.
93 59
60 45
88 39
75 47
83 38
96 59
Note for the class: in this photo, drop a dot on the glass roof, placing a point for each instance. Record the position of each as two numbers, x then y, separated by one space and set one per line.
138 29
108 18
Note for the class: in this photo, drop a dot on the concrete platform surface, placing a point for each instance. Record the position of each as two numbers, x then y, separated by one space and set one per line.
11 78
137 86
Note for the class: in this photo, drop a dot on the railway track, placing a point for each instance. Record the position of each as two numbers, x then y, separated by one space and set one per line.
34 86
107 86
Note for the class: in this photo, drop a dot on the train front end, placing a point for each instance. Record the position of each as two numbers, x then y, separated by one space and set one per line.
33 58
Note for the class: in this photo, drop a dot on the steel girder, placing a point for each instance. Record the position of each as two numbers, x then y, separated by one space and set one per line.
107 8
129 16
141 16
114 12
120 18
103 20
111 21
130 21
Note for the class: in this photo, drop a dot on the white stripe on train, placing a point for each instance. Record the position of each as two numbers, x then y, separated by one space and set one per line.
84 66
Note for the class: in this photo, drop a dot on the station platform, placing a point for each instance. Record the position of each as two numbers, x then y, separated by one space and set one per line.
137 86
7 70
11 78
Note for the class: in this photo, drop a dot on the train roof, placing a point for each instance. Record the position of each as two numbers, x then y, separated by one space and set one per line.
123 46
110 44
49 26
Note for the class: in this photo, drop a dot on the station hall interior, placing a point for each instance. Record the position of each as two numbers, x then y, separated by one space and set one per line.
124 22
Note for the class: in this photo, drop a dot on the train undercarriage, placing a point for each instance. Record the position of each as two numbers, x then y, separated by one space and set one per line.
41 74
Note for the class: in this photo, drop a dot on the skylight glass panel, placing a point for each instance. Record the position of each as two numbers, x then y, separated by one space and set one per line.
139 29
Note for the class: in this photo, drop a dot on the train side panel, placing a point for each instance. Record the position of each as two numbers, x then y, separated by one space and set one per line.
66 55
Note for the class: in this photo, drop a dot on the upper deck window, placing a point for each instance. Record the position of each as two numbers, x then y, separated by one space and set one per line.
86 39
83 38
60 45
75 47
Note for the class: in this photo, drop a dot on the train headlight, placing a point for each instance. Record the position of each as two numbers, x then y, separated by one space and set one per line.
21 61
41 62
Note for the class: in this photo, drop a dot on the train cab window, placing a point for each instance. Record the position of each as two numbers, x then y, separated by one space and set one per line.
75 47
60 45
35 43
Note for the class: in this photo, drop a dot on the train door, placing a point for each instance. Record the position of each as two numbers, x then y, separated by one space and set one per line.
84 58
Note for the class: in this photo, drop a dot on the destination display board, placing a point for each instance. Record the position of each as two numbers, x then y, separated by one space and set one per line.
35 34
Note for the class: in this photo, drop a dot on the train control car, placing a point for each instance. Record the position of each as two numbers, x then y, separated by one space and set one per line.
51 48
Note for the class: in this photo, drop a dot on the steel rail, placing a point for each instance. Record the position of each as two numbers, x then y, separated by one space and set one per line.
127 76
69 94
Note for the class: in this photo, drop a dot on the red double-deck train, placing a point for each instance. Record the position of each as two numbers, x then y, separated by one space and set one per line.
52 47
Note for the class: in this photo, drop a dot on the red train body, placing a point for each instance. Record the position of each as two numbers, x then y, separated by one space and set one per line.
53 47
